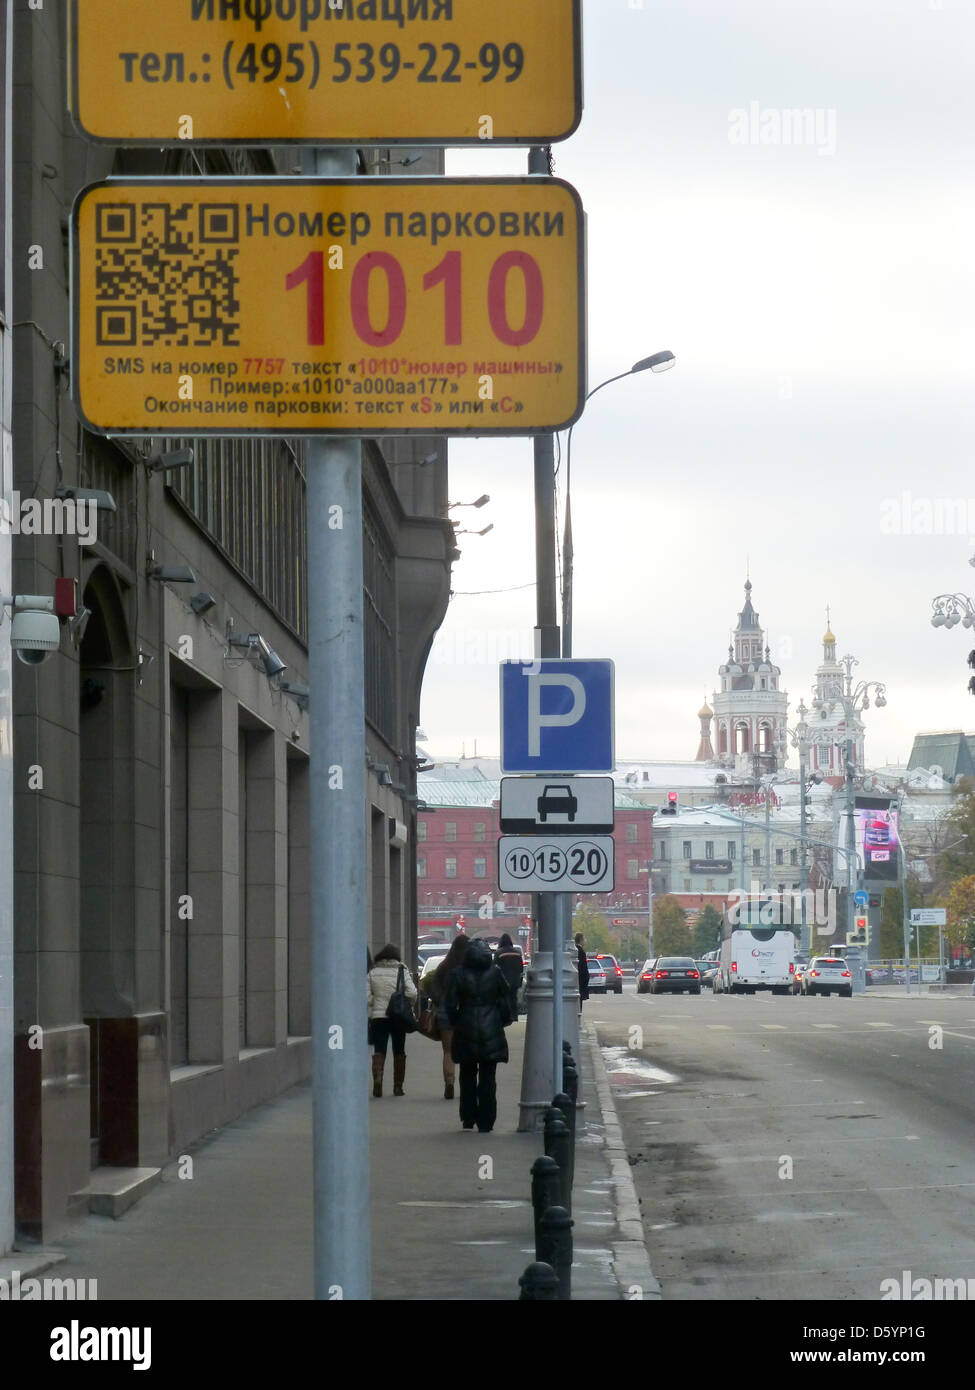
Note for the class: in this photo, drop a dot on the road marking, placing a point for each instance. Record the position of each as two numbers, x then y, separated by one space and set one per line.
724 1027
879 1025
826 1025
821 1192
779 1026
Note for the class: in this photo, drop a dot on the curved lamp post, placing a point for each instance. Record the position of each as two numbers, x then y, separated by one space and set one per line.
658 362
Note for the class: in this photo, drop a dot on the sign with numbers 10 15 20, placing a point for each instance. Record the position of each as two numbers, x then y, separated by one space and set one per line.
529 864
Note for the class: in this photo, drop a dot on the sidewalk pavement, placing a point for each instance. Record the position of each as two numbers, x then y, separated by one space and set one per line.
451 1210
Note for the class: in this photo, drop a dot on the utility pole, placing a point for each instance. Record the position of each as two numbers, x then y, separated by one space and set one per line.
337 721
6 671
803 867
542 1073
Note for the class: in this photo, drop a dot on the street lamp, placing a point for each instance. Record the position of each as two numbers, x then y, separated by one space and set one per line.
853 700
482 501
952 609
657 362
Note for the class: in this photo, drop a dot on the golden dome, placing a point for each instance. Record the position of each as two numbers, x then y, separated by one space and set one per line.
705 712
828 636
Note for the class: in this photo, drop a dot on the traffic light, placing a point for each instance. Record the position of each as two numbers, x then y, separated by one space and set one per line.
672 806
860 936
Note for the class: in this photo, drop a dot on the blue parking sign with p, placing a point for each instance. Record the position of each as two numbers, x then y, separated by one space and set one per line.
557 716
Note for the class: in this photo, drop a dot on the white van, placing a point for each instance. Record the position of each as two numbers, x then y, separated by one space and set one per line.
756 958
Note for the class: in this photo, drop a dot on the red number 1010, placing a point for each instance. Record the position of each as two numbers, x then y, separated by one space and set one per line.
311 273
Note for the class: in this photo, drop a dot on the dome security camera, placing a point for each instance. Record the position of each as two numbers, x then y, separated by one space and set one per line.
35 631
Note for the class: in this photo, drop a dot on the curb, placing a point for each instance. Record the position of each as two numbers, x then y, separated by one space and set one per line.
631 1262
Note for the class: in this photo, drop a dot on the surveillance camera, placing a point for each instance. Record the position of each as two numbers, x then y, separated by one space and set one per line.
34 634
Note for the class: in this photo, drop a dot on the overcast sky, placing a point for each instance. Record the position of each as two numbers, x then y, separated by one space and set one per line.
819 298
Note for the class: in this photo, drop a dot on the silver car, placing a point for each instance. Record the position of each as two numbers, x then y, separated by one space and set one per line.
597 976
827 975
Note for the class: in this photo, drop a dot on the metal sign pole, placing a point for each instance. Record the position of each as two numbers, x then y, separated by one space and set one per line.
342 1243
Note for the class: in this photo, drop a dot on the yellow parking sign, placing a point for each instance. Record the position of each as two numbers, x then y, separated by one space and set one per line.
328 306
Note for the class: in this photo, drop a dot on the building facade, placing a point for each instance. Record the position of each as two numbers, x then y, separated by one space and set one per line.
161 923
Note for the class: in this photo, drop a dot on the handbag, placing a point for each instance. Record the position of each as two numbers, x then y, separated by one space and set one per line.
399 1010
428 1025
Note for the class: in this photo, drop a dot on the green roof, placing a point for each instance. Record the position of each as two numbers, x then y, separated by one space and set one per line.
951 750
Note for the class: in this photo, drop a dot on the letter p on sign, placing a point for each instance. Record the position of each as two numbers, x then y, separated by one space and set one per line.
537 720
557 716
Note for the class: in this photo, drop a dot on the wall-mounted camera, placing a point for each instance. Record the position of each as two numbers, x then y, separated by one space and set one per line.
35 631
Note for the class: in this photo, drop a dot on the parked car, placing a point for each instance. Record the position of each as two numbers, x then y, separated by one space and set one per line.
675 974
827 975
644 975
614 975
598 982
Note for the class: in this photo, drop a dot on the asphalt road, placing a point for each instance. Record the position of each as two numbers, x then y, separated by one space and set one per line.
789 1148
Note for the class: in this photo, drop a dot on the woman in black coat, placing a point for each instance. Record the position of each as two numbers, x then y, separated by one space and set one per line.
479 1008
509 961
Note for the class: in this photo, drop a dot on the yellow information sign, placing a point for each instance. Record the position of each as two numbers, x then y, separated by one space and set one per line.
443 72
328 306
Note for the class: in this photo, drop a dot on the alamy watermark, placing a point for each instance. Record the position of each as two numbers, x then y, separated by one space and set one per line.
937 1290
810 126
17 1289
49 516
756 908
908 515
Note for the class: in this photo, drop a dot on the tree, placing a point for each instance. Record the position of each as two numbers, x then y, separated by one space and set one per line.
594 927
707 931
959 861
891 943
633 945
960 905
671 935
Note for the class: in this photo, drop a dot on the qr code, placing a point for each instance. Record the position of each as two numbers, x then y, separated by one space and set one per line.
165 276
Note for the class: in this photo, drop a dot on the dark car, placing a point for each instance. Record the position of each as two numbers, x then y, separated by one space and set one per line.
708 969
559 801
614 975
644 975
675 974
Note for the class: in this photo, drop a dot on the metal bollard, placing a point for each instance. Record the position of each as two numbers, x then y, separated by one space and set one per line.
546 1191
570 1081
556 1247
558 1145
563 1103
539 1283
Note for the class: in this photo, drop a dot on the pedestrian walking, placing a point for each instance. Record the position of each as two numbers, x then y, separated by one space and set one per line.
582 965
382 982
479 1009
509 961
435 984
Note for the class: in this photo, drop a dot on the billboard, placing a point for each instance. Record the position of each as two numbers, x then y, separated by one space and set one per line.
877 837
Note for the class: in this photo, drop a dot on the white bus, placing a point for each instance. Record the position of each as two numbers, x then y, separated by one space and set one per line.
754 955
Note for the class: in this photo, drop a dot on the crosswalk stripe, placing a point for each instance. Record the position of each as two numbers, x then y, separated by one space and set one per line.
779 1026
725 1027
826 1025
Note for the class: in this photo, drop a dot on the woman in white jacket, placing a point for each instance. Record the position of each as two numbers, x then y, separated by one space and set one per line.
380 988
